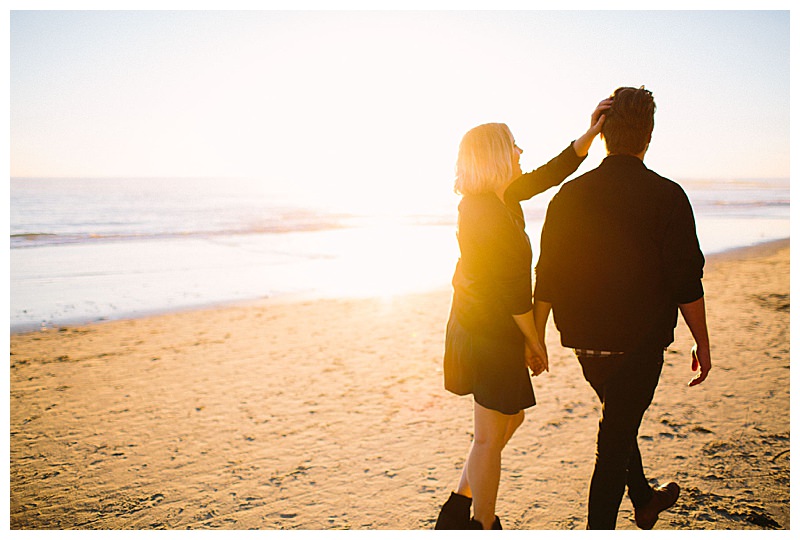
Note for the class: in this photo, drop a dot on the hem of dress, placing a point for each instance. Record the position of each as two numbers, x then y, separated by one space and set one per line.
492 407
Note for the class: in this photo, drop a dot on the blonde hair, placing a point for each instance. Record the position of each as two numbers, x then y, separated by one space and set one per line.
484 159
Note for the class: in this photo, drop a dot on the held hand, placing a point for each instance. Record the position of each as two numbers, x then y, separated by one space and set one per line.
536 358
701 358
546 356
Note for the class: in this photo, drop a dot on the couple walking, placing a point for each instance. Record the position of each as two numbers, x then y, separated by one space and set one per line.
619 258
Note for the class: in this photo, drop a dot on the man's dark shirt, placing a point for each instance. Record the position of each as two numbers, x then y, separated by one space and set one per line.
619 252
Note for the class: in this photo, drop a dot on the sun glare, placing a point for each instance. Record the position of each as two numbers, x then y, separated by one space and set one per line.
388 258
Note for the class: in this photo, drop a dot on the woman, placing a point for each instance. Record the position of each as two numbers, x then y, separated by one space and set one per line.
491 339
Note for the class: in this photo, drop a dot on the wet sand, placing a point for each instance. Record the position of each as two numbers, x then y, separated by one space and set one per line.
331 415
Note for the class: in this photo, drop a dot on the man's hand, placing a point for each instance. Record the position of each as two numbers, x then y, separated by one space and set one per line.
701 358
694 313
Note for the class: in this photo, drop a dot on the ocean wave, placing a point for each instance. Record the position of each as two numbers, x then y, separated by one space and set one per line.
286 226
25 240
57 212
749 204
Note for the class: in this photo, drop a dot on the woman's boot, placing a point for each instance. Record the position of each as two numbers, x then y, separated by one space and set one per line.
455 513
477 525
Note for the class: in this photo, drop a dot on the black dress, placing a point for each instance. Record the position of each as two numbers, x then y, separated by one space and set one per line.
484 348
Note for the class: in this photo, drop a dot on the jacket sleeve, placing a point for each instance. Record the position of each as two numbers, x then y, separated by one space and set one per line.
682 258
548 175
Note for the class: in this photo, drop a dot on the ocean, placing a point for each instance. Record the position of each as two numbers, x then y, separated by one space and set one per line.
85 250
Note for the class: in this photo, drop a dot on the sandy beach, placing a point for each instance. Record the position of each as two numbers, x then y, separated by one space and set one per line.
331 414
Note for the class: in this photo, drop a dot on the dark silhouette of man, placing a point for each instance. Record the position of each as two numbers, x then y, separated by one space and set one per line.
619 258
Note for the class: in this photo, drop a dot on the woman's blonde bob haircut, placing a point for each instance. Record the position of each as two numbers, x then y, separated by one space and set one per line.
484 159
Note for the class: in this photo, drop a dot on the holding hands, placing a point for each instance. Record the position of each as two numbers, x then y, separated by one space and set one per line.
535 351
536 358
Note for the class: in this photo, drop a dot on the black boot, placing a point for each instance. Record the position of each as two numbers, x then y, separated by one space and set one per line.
477 525
454 513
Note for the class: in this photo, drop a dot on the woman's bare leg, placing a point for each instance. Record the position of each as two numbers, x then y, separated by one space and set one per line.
483 464
463 484
514 422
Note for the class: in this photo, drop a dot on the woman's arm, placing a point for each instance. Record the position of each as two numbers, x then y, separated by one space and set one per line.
582 144
560 167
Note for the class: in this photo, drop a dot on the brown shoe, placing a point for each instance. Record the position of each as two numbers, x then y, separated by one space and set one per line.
663 497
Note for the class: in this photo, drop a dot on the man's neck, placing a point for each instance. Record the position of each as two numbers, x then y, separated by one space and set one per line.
640 155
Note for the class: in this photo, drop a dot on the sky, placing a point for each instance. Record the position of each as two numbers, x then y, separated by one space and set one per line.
351 103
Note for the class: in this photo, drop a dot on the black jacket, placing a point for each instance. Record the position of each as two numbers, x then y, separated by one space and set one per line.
619 252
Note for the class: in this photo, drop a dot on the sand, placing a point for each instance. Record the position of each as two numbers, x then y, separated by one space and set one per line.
331 415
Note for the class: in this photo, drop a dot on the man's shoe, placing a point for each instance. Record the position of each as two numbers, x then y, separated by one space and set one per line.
663 497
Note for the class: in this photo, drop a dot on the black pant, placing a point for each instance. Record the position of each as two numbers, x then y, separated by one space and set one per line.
625 384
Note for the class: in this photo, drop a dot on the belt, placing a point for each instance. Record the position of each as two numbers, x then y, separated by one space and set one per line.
594 353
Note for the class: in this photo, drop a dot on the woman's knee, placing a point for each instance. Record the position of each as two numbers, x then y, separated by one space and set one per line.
492 427
489 441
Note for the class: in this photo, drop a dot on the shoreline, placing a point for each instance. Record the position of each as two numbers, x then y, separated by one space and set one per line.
320 415
755 250
284 298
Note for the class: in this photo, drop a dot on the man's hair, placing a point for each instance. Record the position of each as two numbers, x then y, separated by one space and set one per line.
629 122
484 159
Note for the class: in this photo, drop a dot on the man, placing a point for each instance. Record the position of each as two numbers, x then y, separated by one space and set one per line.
619 258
